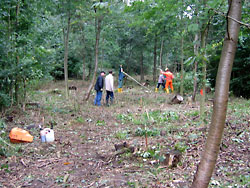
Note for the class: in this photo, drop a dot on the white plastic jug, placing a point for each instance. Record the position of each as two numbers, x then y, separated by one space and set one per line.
49 135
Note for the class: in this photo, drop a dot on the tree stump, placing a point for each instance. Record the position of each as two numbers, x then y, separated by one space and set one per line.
172 158
177 99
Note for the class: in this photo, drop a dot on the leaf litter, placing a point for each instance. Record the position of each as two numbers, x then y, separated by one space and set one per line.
106 146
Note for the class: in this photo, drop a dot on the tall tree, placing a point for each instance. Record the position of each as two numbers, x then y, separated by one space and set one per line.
17 80
155 59
98 26
212 146
66 51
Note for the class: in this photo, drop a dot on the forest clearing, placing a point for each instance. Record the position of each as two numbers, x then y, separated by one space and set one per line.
84 155
124 93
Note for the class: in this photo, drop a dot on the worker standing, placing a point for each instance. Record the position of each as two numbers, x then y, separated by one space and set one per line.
120 79
99 88
109 85
169 79
161 81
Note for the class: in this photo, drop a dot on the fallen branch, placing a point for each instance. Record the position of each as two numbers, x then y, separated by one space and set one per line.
23 163
48 163
90 184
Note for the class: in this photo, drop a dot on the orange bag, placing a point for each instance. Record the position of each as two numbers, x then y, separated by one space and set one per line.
18 135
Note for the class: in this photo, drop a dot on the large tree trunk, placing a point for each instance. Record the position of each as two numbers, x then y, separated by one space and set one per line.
66 51
155 59
98 22
142 68
212 146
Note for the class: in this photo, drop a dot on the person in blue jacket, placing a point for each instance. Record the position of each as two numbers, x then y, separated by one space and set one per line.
99 88
120 79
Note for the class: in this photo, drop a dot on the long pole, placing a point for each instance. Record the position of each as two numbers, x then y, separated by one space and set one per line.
136 81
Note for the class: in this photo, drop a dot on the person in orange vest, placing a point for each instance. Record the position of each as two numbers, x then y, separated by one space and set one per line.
169 79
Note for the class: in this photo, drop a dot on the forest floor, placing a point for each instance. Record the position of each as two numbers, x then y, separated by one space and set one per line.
83 153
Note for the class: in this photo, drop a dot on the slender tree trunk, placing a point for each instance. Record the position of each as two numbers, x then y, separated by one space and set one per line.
212 146
162 43
155 59
83 65
196 48
204 73
204 66
90 68
83 57
10 88
9 23
98 22
142 68
182 57
102 53
17 79
66 51
182 68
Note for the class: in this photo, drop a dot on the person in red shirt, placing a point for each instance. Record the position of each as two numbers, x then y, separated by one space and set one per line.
169 79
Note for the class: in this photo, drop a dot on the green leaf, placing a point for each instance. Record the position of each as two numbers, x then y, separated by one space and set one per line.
190 61
193 28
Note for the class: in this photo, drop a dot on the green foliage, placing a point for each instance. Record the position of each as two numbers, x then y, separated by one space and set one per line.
100 123
180 146
124 118
192 113
240 79
33 49
4 100
150 132
80 120
159 116
187 84
6 149
122 134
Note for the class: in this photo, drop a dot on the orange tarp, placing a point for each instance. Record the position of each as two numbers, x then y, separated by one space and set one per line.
18 135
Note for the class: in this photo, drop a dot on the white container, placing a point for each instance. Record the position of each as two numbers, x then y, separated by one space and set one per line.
43 137
49 135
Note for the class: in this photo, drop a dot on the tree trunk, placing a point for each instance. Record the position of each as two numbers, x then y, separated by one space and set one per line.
212 146
182 68
66 51
98 22
162 43
90 68
83 65
196 48
9 23
142 68
204 72
17 79
83 57
102 53
155 59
